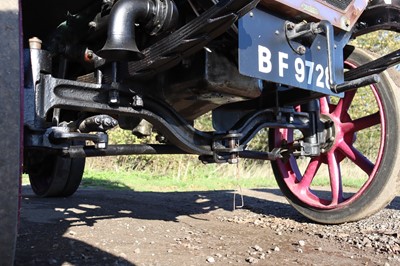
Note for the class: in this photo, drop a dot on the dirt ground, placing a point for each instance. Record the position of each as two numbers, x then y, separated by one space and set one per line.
124 227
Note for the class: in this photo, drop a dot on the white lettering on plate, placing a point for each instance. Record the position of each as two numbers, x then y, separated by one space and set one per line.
305 71
264 60
282 64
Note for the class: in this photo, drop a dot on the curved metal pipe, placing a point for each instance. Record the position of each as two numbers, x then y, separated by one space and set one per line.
121 44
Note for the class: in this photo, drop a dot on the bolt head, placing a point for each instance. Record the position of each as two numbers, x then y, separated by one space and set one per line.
101 145
92 24
301 49
290 26
233 161
90 54
113 100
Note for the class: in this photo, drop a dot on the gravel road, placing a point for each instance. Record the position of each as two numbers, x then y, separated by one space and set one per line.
124 227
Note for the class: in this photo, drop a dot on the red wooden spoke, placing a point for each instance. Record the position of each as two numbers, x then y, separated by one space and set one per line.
335 178
356 157
310 173
367 121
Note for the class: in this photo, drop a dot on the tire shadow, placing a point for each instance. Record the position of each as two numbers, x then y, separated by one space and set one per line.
395 204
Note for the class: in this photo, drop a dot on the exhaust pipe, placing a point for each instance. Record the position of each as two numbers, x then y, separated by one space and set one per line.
155 15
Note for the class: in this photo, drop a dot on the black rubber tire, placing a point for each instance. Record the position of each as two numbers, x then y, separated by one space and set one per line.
54 176
10 129
386 182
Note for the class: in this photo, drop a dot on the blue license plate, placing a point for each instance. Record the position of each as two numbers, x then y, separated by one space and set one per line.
265 53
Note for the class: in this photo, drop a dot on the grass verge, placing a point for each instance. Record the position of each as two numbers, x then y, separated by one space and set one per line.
146 181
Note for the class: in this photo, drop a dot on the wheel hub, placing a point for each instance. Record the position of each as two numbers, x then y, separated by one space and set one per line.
337 130
329 133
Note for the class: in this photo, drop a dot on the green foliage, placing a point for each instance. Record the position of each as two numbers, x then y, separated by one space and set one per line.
367 140
158 164
379 42
204 122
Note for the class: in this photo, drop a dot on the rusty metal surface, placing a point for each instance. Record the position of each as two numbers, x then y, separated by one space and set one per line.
321 10
9 128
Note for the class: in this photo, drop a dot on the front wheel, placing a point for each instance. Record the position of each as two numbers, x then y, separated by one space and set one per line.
364 154
54 176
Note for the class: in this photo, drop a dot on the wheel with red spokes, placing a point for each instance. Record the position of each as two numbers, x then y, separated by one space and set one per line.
363 152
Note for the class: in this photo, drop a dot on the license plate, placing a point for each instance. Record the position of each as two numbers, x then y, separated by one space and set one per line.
265 53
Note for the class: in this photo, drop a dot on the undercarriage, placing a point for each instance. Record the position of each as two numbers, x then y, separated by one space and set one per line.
169 82
153 66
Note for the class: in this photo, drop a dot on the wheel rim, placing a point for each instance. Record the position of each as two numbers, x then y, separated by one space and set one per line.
299 182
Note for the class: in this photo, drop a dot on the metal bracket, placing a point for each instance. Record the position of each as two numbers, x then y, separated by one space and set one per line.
60 134
304 33
226 147
327 28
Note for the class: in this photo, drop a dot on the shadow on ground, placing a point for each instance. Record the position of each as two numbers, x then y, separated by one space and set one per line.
49 220
395 204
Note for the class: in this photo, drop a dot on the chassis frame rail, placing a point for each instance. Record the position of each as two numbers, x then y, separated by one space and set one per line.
65 94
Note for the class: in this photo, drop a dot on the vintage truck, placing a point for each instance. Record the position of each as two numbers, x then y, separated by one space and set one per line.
72 70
